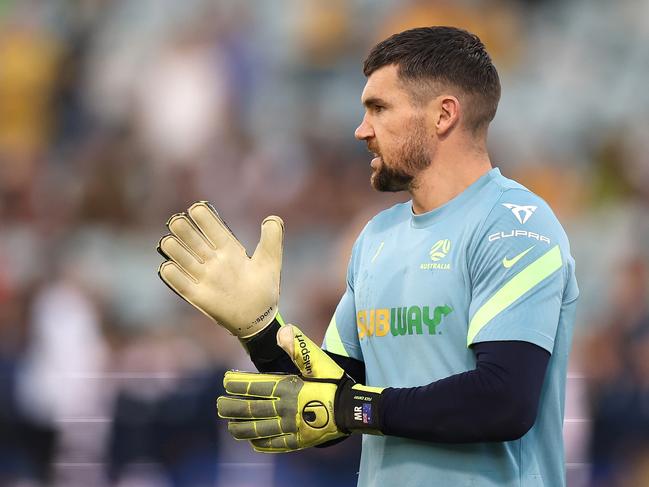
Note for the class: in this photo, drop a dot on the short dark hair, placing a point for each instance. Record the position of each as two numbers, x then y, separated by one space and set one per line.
446 55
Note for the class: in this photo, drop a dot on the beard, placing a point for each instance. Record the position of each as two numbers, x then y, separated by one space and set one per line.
397 173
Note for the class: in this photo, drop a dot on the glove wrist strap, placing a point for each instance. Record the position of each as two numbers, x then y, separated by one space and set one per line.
264 351
358 408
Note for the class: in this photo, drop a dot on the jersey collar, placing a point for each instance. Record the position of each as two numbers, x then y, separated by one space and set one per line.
461 201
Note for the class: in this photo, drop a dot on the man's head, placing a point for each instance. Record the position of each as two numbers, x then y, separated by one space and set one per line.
423 84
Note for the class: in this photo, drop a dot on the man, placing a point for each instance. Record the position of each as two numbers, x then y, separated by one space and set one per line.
449 348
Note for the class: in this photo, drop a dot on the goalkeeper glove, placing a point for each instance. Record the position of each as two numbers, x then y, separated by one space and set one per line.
208 267
281 413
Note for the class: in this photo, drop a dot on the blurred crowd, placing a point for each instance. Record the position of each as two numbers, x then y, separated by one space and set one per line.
115 114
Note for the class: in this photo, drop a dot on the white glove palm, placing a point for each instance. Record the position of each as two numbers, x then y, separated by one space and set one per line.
209 268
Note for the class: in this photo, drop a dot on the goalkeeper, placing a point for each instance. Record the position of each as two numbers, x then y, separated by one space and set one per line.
449 348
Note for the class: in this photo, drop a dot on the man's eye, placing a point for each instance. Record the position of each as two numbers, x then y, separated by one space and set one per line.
378 108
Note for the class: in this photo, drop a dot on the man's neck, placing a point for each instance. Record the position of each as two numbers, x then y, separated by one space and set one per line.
447 177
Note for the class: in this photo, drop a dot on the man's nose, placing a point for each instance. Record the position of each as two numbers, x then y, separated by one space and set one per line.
364 131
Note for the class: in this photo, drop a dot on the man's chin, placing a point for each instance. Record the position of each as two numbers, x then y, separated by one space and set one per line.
390 181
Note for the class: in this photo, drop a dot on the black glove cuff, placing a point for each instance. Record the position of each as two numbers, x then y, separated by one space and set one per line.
357 410
266 354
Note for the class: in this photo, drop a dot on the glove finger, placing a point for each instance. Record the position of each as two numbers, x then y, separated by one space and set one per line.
182 227
251 430
232 408
213 227
177 279
271 242
276 444
251 384
175 250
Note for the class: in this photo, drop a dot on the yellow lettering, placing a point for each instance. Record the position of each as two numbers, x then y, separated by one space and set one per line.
361 322
382 322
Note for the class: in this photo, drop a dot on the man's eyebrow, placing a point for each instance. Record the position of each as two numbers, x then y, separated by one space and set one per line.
373 101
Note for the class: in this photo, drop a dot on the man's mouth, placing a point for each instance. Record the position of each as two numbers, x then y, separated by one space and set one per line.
375 162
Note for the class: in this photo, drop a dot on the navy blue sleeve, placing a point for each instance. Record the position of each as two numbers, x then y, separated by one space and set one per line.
497 401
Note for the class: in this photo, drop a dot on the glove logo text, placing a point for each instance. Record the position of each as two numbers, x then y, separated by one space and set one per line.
306 355
263 316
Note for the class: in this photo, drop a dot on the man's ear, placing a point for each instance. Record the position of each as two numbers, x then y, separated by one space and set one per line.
448 114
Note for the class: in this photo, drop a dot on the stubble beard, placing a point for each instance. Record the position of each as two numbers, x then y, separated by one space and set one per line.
398 173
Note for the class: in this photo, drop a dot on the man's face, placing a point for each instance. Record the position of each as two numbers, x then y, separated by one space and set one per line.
394 130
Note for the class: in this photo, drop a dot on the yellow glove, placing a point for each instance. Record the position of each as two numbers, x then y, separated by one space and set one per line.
281 413
208 267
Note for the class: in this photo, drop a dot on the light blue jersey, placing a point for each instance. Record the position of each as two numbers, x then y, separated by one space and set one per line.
491 264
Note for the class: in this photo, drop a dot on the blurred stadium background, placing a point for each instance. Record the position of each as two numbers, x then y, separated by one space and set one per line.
114 114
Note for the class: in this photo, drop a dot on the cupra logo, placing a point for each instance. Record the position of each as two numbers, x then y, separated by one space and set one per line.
521 212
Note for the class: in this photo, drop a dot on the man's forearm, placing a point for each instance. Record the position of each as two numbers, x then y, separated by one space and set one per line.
497 401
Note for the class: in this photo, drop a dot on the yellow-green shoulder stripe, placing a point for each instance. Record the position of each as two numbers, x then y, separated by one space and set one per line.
279 319
522 282
333 341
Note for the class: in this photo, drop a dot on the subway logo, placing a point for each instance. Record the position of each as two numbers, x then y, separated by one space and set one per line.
406 320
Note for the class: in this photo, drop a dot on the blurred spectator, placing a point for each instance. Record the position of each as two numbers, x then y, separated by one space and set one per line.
28 70
181 100
615 359
27 446
164 406
176 430
496 22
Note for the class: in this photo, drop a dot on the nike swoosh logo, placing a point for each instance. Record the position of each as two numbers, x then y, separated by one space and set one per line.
507 263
